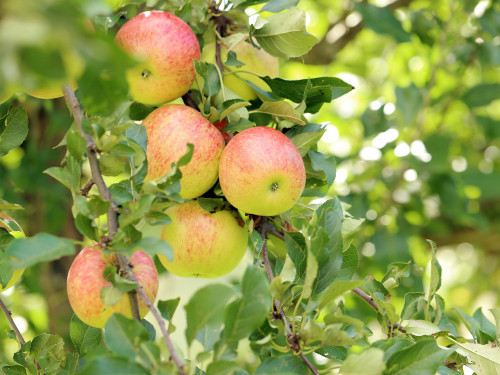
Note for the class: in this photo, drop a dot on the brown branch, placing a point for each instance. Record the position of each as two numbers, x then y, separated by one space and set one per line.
189 101
86 188
12 324
220 22
324 52
124 266
263 227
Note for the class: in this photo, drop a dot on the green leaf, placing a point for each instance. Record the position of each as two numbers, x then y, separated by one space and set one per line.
150 329
14 370
84 226
4 205
481 95
123 285
206 307
232 60
113 366
48 346
14 130
110 295
214 205
276 6
138 134
110 165
435 283
306 137
283 110
158 218
139 112
65 177
322 90
485 357
167 308
284 34
423 358
392 345
76 144
410 307
443 370
496 315
236 127
311 273
335 290
246 314
97 206
42 247
382 21
327 164
356 364
344 319
121 192
5 269
288 364
107 22
84 338
350 224
472 325
421 328
137 210
484 324
296 248
333 352
222 368
122 149
153 246
408 101
350 260
122 335
230 106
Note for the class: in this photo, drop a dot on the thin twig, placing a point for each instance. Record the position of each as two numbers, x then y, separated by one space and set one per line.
123 263
12 324
86 189
264 228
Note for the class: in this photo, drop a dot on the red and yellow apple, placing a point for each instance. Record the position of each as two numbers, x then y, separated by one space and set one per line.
85 281
205 244
170 128
16 275
165 45
257 61
261 172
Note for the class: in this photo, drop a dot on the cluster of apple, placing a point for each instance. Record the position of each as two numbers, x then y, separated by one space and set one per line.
260 170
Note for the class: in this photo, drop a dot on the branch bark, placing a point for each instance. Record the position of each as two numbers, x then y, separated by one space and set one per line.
264 228
123 263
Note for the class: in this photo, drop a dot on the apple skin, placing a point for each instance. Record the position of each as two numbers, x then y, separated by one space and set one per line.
4 96
85 281
257 61
261 172
16 275
170 128
165 44
205 245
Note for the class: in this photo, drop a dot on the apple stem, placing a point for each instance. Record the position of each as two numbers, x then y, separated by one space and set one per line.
13 325
264 228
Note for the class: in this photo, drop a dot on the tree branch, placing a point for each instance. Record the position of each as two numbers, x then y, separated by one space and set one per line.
264 228
124 265
220 22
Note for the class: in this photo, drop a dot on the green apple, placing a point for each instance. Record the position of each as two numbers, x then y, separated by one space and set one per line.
165 45
205 244
257 61
4 96
16 275
170 128
261 172
86 280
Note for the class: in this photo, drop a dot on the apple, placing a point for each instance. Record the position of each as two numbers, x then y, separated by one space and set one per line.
170 128
16 275
205 244
257 61
165 45
261 172
4 96
85 281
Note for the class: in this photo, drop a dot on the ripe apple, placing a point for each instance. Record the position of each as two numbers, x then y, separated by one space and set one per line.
51 89
257 61
85 281
170 128
261 172
16 275
165 44
205 244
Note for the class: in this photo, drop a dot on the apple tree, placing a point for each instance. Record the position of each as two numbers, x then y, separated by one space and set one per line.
232 164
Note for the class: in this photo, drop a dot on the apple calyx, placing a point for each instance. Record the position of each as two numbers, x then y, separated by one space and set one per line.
274 186
146 74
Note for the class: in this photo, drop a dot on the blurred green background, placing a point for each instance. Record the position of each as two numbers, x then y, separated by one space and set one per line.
417 146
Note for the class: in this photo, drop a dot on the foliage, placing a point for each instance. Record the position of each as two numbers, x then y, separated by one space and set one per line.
438 181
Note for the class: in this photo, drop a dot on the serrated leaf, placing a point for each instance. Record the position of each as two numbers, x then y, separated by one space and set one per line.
421 328
110 165
84 337
310 275
4 205
304 141
327 164
158 218
288 364
246 314
392 345
350 260
42 247
84 226
410 306
283 110
485 357
297 250
236 127
138 134
48 346
435 283
14 130
356 364
122 335
284 34
206 307
167 308
108 365
335 290
350 224
76 144
65 177
14 370
276 6
230 106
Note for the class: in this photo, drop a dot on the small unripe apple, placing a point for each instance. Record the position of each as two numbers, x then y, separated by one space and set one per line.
261 172
220 124
16 275
4 96
257 61
85 281
170 128
205 244
165 45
